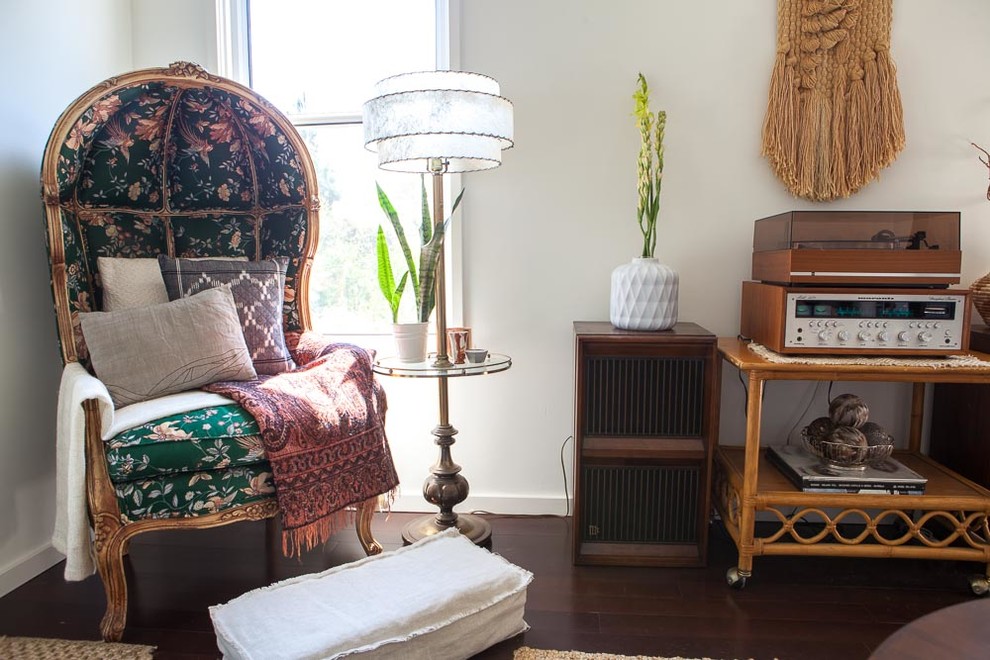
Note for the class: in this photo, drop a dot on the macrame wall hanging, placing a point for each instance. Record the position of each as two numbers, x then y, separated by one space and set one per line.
834 116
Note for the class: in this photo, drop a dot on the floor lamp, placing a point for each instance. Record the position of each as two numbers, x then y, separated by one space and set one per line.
439 122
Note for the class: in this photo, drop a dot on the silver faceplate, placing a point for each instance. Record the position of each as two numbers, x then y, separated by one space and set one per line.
833 331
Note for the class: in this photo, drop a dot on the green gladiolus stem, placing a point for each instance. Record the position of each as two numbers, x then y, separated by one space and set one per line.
649 166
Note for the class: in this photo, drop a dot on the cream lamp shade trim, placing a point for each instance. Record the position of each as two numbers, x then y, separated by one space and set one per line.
456 116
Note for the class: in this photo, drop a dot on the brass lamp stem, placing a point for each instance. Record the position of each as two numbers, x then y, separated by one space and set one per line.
442 360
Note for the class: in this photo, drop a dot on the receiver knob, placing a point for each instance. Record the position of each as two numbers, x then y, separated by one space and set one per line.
843 335
903 335
864 335
825 335
883 335
924 337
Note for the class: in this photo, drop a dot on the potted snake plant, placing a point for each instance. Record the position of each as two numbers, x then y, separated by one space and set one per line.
411 337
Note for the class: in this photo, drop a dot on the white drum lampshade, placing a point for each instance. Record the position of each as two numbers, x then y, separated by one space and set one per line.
454 116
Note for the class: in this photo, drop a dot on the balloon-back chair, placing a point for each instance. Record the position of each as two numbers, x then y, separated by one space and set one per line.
136 167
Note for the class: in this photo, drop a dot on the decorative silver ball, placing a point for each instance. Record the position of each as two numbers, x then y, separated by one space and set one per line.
849 443
876 435
848 410
818 429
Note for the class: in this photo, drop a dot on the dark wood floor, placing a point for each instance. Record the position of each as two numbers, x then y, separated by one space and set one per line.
806 608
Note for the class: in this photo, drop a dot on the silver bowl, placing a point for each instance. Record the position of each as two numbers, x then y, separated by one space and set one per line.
839 455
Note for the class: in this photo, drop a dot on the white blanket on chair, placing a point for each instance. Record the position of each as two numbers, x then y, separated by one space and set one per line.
71 536
72 532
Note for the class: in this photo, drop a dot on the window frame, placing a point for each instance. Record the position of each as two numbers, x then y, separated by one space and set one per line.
233 61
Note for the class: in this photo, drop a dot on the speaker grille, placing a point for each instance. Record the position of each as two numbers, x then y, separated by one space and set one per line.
644 396
639 504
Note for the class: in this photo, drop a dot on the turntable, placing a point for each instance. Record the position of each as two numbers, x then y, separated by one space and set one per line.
882 248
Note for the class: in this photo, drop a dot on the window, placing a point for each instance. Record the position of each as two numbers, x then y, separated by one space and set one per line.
317 61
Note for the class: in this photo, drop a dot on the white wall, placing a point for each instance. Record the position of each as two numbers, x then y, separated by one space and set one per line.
50 53
177 30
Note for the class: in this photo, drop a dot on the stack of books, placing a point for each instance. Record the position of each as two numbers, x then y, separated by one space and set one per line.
812 475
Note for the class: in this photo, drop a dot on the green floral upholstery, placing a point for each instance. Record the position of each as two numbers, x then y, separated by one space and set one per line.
120 234
189 495
280 231
78 283
205 439
215 236
185 169
109 154
187 464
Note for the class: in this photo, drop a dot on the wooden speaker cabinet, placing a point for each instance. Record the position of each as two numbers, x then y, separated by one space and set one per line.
646 425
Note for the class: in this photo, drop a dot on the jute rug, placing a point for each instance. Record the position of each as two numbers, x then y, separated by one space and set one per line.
526 653
32 648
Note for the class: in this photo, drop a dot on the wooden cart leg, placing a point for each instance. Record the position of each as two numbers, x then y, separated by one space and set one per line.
917 417
736 578
362 524
747 516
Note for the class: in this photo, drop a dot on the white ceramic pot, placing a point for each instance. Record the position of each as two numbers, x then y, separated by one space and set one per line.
410 341
644 295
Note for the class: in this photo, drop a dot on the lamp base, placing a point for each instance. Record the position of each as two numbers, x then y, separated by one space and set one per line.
473 527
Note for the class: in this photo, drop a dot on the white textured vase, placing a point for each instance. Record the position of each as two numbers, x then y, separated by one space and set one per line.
410 341
644 295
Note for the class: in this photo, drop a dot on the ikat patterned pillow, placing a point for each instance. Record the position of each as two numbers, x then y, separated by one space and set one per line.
258 288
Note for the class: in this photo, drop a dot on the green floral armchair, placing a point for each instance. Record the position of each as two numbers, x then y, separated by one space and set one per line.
179 162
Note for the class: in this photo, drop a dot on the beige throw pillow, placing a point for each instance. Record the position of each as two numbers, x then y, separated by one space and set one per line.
129 283
148 352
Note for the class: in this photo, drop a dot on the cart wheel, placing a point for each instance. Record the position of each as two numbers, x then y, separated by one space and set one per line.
735 578
980 584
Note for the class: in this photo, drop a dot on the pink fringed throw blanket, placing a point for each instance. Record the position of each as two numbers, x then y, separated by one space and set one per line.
323 430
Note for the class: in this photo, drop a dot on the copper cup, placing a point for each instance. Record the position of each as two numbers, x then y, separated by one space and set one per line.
458 341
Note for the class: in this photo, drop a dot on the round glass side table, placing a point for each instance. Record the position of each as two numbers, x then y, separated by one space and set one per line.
445 487
391 366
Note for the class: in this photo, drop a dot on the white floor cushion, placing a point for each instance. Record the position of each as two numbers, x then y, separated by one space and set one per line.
440 598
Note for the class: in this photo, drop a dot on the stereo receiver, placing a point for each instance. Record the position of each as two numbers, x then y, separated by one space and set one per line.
856 321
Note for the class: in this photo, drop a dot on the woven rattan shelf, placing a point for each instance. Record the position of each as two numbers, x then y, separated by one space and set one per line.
948 522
